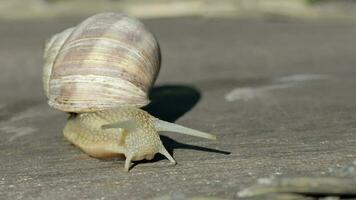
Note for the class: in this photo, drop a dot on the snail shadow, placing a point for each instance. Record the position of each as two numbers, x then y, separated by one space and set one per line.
168 103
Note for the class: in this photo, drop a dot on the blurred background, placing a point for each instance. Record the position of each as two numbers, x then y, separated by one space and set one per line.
274 80
291 9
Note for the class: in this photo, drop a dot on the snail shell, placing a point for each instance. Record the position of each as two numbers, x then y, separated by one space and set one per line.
108 60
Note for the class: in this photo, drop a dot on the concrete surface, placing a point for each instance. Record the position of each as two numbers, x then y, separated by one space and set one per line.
280 96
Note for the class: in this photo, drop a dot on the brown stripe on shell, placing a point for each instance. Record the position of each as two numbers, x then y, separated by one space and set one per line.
83 95
77 62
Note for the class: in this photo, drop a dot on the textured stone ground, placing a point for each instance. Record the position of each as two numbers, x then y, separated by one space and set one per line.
280 96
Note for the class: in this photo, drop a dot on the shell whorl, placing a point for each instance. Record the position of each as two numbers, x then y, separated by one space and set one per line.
108 60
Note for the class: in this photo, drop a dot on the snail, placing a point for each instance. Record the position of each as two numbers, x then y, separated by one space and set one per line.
101 72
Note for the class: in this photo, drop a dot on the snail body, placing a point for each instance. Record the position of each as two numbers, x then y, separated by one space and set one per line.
134 135
101 72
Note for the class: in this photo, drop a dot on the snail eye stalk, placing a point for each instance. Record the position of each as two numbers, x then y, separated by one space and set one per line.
167 126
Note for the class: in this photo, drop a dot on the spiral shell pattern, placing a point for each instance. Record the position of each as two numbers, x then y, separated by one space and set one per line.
108 60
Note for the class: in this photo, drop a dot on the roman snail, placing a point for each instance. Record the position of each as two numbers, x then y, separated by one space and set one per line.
100 72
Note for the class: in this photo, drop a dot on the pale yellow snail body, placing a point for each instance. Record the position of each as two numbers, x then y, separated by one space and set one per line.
101 72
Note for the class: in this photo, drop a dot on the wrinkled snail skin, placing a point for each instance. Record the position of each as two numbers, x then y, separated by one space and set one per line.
101 72
122 130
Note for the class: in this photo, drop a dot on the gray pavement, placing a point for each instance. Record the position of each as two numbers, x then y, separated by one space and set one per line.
280 97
